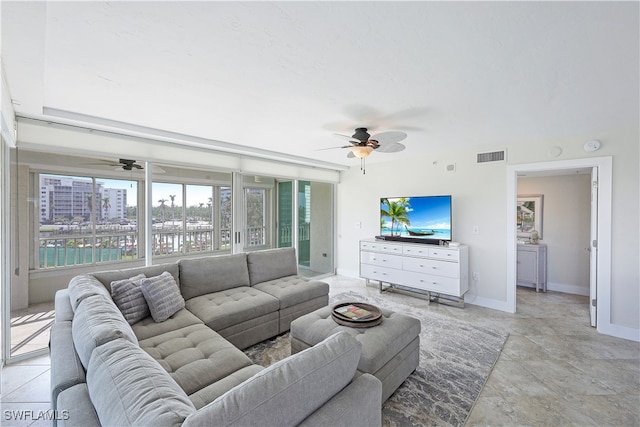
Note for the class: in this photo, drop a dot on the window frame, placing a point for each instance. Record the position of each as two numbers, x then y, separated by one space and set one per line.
93 237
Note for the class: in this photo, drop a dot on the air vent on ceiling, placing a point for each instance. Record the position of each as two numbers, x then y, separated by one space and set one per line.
492 156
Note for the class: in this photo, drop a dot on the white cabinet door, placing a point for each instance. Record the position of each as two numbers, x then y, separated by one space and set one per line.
527 266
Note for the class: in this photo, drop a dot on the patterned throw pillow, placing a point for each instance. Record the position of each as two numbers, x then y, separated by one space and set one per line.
127 295
162 295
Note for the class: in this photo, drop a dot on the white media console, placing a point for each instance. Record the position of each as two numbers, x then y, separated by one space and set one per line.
432 269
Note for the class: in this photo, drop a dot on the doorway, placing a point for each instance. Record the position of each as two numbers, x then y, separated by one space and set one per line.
601 296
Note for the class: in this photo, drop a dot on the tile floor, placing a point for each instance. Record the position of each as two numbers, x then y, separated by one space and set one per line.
555 370
30 328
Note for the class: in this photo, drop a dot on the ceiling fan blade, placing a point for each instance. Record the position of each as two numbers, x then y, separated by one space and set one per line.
350 138
390 148
333 148
389 137
102 163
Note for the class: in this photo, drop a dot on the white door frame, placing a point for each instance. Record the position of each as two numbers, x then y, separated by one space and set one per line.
605 171
593 248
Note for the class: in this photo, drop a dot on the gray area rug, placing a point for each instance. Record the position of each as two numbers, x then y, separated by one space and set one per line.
456 358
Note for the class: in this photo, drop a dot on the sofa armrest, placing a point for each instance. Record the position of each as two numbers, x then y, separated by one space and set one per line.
75 408
358 404
288 391
66 369
63 309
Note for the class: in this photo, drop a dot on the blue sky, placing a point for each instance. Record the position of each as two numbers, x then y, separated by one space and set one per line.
196 194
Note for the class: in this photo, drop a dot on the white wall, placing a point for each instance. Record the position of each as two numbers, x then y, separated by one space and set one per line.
20 246
475 201
321 227
566 228
479 198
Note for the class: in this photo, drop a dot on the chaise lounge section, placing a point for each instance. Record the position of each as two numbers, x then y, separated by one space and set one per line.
188 368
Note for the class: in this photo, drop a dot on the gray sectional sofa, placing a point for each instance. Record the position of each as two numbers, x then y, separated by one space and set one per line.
161 346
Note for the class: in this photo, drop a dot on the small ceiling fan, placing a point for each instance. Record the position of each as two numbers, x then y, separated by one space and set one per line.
127 165
363 144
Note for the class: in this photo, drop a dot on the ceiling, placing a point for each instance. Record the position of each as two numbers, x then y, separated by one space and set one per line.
286 76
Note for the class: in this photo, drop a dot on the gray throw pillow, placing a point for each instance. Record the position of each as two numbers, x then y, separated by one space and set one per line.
127 294
162 295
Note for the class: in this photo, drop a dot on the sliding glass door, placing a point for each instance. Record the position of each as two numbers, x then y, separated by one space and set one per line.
284 222
316 230
309 205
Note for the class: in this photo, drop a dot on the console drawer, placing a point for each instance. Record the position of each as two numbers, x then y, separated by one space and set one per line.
438 284
381 247
429 266
415 251
382 274
381 259
447 254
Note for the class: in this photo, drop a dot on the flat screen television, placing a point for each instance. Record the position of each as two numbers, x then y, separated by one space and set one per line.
423 219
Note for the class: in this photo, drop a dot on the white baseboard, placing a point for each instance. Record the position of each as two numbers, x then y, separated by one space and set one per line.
562 287
348 273
487 303
619 331
568 289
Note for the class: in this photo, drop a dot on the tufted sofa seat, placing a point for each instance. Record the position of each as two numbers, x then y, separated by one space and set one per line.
189 369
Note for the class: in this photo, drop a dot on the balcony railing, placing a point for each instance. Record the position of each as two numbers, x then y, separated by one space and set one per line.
68 247
286 233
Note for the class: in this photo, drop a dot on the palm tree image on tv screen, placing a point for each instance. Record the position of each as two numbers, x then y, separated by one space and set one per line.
426 217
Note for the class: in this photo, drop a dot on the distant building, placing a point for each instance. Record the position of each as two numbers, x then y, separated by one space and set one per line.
114 203
71 197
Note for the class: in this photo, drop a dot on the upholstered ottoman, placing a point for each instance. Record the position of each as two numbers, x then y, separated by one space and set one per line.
390 351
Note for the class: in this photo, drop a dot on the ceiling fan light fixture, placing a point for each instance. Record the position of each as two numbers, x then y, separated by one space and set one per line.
361 151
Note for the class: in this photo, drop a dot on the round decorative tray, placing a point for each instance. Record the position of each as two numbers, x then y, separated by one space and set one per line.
356 314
